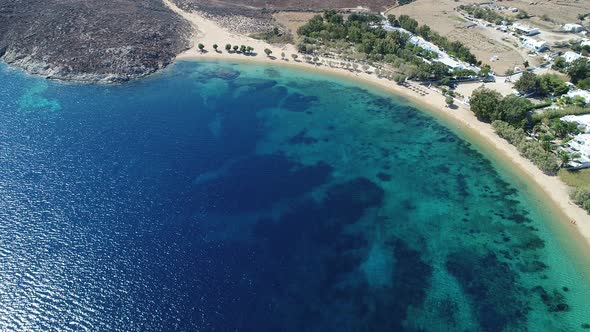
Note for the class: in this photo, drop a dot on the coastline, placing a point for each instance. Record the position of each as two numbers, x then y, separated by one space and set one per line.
552 188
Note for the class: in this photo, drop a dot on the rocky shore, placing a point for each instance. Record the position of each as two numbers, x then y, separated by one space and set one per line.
91 41
110 41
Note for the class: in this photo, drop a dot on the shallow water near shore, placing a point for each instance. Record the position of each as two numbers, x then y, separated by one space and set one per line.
220 196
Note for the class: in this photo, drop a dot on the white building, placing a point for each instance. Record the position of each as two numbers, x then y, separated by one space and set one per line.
535 45
525 29
579 145
570 56
579 93
572 27
583 121
453 64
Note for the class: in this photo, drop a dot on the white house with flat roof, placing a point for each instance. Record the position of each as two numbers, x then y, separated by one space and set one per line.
580 146
583 121
572 27
535 45
579 93
453 64
525 29
570 56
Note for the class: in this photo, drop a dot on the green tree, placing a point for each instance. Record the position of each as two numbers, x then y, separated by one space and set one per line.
283 55
312 27
581 196
578 70
559 64
243 48
236 47
579 101
408 23
564 158
201 47
485 70
559 128
392 20
399 78
215 46
527 83
294 56
514 110
449 101
268 51
484 103
584 84
228 47
551 84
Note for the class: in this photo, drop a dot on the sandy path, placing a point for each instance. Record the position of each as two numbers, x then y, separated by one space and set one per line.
209 33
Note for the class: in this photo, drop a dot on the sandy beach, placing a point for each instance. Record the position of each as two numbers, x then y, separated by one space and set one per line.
208 33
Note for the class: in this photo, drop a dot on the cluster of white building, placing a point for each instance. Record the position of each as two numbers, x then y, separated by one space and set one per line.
580 144
443 57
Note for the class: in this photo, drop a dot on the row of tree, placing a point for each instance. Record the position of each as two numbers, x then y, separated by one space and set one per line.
484 13
228 47
368 38
454 48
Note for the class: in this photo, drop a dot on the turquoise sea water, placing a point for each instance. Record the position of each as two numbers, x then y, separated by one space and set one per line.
233 197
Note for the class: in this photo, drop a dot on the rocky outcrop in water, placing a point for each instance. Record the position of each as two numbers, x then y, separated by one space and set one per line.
90 41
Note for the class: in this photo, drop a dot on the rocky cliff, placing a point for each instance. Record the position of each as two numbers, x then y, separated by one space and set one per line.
90 40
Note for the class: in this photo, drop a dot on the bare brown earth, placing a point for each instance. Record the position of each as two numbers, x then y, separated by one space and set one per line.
292 20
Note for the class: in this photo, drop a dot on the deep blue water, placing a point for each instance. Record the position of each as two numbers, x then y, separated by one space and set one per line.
226 197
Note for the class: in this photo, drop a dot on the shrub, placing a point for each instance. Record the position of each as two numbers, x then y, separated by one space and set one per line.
530 149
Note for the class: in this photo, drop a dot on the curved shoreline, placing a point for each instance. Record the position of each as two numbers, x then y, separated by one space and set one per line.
460 118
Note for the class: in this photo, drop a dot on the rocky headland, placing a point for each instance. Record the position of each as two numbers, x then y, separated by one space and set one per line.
90 41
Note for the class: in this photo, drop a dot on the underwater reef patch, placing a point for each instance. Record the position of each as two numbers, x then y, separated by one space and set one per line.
492 287
296 102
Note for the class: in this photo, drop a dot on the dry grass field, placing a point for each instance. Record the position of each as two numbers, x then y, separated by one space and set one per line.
292 20
442 17
559 11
